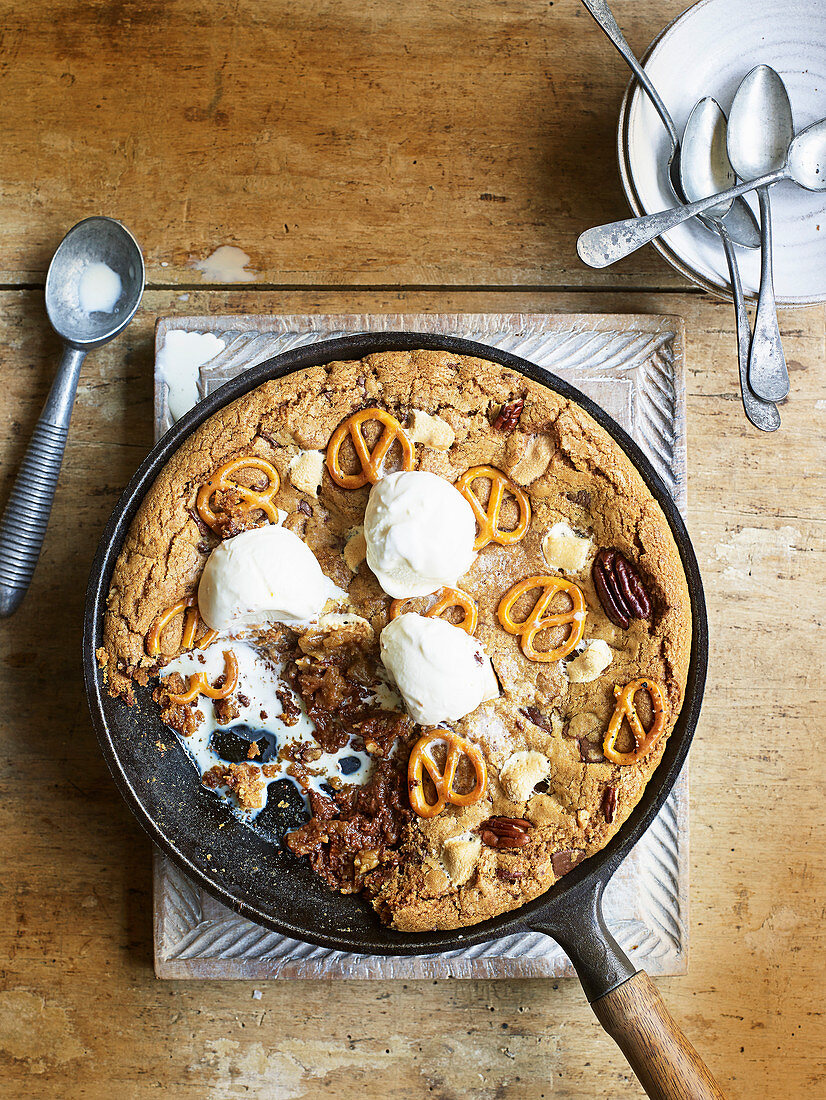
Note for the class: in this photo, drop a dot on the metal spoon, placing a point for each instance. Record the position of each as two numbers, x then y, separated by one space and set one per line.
740 221
736 224
704 170
805 164
24 521
759 132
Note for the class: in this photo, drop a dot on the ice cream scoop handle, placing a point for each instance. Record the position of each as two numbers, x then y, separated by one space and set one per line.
26 516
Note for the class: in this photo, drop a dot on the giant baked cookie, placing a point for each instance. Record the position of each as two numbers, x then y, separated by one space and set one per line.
432 596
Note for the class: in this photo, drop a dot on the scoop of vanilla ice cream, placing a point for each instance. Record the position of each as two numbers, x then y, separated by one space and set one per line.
441 672
419 531
263 576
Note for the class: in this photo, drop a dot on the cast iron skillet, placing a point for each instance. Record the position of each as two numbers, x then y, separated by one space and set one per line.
266 883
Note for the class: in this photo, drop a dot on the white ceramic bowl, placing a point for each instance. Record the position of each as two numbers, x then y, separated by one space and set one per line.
707 51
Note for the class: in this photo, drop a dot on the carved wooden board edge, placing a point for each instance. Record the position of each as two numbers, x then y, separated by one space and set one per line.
631 364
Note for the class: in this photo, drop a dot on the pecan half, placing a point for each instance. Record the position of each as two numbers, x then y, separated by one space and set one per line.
505 832
620 590
609 803
563 862
509 415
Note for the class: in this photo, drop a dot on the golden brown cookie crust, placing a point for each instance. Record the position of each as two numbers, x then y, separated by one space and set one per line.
573 472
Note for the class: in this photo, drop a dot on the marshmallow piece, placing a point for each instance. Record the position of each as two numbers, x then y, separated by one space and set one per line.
306 471
533 461
263 576
460 854
564 550
430 431
441 672
593 660
420 533
522 772
355 549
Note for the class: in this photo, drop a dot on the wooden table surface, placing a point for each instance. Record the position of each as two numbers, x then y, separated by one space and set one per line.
368 155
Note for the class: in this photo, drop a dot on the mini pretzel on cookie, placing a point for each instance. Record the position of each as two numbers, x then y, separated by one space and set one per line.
199 685
371 462
224 479
626 708
488 518
192 619
421 761
445 599
537 620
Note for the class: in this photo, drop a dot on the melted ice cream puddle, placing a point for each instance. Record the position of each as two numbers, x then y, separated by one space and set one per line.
178 363
99 289
259 679
227 264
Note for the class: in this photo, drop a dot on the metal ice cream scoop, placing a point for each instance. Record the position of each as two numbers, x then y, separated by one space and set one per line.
93 288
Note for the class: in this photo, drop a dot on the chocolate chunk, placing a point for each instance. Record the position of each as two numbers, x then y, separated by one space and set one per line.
199 523
304 507
508 875
609 803
582 497
589 753
563 862
538 718
273 442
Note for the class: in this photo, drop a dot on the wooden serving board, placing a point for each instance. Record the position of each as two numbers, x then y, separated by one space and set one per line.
631 365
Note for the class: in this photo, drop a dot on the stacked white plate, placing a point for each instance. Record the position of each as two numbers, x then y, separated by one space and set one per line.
706 52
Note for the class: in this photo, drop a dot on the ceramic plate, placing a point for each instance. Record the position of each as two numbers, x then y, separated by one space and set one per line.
707 51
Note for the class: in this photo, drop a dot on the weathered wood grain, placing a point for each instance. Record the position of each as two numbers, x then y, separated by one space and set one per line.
81 1015
369 143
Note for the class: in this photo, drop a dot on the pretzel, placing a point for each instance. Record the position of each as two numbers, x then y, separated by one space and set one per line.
446 597
372 462
188 607
538 620
199 685
488 518
223 479
421 759
626 708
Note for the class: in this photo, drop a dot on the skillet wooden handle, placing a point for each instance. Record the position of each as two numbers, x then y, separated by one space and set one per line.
667 1065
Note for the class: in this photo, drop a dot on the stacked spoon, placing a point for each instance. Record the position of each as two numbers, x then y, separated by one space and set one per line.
759 145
